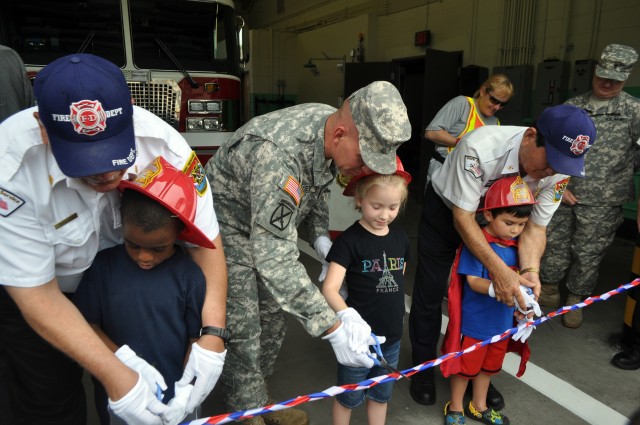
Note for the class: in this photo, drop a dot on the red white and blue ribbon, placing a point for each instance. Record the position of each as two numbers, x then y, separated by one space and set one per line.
335 390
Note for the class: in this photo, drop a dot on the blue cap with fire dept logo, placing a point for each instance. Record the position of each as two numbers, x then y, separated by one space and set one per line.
85 105
568 133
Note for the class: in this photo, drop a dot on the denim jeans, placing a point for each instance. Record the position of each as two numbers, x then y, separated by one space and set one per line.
353 375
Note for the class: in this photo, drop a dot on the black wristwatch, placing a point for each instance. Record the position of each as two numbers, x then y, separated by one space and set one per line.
212 330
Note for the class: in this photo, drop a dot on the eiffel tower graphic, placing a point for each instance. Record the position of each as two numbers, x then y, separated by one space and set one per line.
387 280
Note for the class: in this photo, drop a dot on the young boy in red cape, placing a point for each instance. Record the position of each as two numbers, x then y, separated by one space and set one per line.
474 313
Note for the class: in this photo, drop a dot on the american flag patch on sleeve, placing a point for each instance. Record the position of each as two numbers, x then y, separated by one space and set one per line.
292 187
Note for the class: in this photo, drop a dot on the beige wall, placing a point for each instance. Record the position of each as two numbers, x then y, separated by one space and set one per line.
281 43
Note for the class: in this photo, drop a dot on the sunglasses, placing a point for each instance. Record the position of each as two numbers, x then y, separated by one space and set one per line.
495 101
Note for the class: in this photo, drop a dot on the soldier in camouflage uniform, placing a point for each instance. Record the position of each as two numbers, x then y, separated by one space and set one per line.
269 178
584 225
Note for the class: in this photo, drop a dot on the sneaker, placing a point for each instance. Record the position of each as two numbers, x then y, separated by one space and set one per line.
489 416
549 296
451 417
573 319
286 417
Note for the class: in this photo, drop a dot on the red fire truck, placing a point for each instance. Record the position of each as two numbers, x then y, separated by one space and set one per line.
180 57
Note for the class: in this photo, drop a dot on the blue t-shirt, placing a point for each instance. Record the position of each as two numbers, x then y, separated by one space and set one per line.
483 316
154 312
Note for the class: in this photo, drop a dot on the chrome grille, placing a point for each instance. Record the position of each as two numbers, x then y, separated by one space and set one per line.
161 97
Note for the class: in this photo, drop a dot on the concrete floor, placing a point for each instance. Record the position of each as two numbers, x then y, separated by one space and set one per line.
569 379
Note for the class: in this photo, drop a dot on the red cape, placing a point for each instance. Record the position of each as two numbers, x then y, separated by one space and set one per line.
452 338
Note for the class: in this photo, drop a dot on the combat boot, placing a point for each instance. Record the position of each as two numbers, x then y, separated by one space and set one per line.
573 319
256 420
549 295
289 416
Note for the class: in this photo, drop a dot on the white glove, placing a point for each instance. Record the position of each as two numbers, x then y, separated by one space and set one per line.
356 328
177 408
339 342
530 303
491 292
206 367
523 331
152 377
322 245
139 406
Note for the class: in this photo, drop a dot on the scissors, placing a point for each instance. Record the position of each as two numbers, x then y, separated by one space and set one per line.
379 360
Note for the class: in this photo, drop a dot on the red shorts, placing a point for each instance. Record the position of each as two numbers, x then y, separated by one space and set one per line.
487 359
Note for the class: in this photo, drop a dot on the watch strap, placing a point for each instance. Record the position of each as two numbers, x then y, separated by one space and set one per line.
215 331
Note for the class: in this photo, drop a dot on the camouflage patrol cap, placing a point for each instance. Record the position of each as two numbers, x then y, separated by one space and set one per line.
382 122
616 62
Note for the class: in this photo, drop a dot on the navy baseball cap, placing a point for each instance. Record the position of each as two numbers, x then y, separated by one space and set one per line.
85 105
569 133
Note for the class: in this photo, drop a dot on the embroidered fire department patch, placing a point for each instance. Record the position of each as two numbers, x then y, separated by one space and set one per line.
472 165
559 188
194 169
9 202
88 117
580 145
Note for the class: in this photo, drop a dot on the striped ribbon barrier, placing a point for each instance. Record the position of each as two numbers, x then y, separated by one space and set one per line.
335 390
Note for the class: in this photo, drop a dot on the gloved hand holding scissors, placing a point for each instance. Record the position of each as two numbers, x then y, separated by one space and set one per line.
150 374
531 305
339 340
140 405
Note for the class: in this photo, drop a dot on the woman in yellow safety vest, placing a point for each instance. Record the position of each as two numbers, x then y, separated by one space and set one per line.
462 114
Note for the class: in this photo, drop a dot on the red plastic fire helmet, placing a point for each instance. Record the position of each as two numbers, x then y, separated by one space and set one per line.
351 186
175 191
508 192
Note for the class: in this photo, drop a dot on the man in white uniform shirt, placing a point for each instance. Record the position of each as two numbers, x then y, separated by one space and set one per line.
60 165
544 156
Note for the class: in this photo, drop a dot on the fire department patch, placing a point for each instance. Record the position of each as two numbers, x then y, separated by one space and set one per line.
194 169
559 188
281 216
9 202
580 144
88 117
472 165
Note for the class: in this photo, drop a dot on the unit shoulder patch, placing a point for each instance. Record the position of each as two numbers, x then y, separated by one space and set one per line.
281 216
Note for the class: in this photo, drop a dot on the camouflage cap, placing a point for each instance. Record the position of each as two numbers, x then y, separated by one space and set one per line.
616 62
382 122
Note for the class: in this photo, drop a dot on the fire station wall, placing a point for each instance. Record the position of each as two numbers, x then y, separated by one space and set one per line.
563 29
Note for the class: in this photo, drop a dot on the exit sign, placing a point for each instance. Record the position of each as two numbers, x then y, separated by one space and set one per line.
423 38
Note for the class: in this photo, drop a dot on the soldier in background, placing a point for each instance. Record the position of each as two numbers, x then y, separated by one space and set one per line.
15 88
584 225
269 178
16 94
